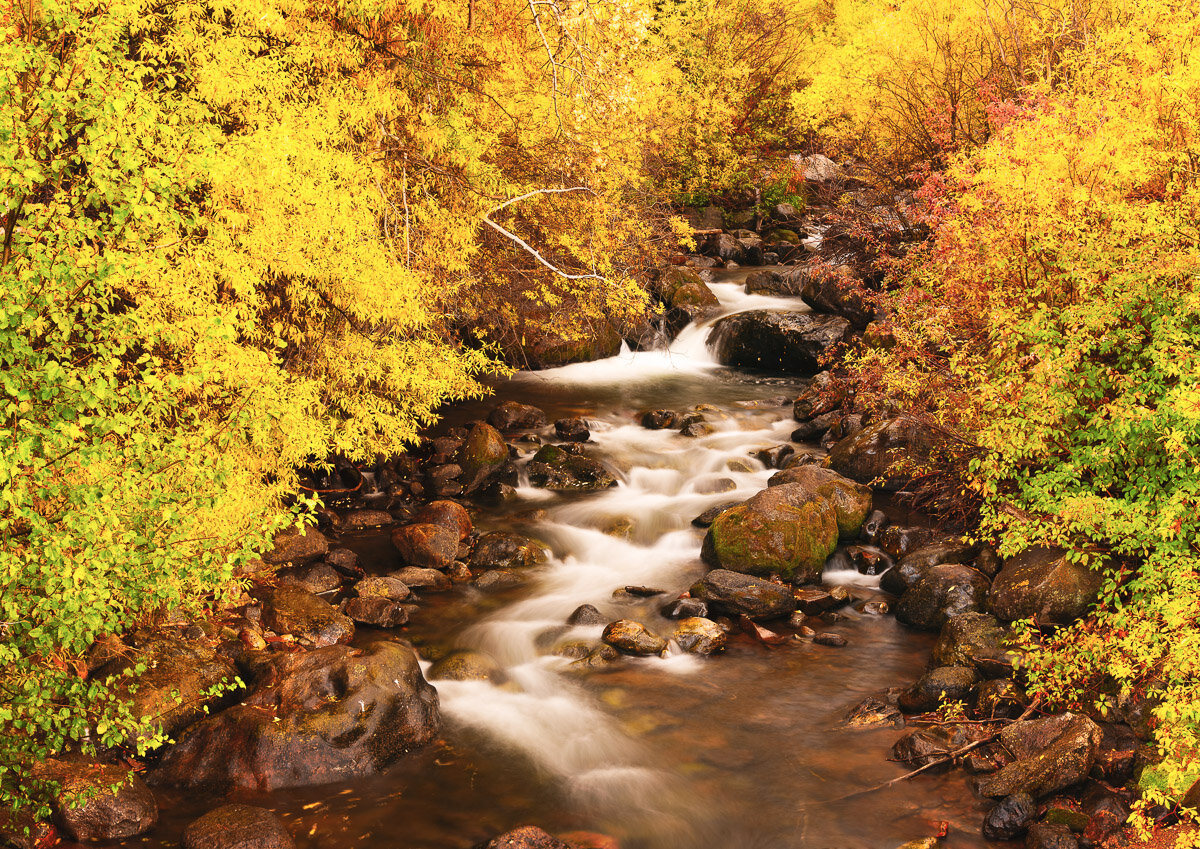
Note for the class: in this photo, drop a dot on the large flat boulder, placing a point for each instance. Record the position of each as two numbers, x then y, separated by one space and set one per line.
1051 754
885 455
735 593
777 340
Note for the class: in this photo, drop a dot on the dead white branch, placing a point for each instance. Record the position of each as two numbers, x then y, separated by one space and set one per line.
524 244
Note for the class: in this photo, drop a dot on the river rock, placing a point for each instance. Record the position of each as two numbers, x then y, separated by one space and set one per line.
291 610
874 712
555 469
829 638
1011 818
785 530
868 560
1051 754
449 514
944 683
851 500
526 837
376 611
425 545
237 827
345 562
686 297
835 290
572 430
367 519
777 340
503 550
705 519
297 545
698 635
916 563
771 281
999 698
1044 584
659 419
483 454
1044 835
885 455
587 614
545 348
466 665
497 579
975 640
873 527
415 577
315 717
924 746
97 802
512 415
942 592
737 593
392 589
632 638
685 608
313 577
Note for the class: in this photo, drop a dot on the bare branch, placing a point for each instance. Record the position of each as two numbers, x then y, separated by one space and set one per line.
528 247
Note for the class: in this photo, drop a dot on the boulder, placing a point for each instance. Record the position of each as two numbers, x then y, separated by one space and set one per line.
313 577
916 563
685 608
389 588
901 540
851 500
291 610
555 469
377 611
466 665
777 340
583 343
450 514
425 545
975 640
96 802
315 717
835 291
999 698
785 530
659 419
512 415
1044 584
944 683
1051 754
924 746
431 580
772 281
503 550
1010 818
699 636
526 837
686 296
631 637
942 592
723 246
572 430
818 168
885 455
297 545
237 827
736 593
705 519
483 454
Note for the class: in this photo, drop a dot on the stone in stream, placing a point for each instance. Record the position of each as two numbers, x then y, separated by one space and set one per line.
836 291
1042 583
685 608
775 456
392 589
425 545
786 530
873 712
345 561
698 635
297 545
466 665
1044 835
632 637
430 580
1000 698
851 500
1010 818
449 514
873 527
481 456
944 683
916 563
504 550
975 640
367 519
924 746
572 430
291 610
1051 754
659 419
526 837
587 614
900 540
813 601
313 577
710 515
315 717
497 579
829 638
737 594
554 468
890 452
942 592
97 802
376 611
237 827
512 415
777 340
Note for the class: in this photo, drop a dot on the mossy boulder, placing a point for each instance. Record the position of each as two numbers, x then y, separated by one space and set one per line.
556 469
1044 584
784 530
851 500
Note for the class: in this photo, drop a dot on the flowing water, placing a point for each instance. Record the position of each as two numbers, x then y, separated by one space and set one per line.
740 750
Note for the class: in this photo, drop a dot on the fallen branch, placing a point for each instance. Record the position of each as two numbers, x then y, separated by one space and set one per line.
528 247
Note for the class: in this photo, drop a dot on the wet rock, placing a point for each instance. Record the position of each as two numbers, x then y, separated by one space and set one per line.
899 540
587 614
291 610
710 515
698 635
367 519
98 802
874 608
813 601
449 514
313 717
975 640
770 281
944 683
885 455
600 658
775 456
466 666
526 837
545 348
1044 584
924 746
1044 835
813 430
1117 757
873 712
736 593
632 638
297 545
999 698
659 419
345 562
496 492
851 500
685 608
237 827
917 562
392 589
1011 818
425 545
868 560
714 485
686 297
313 577
835 291
1107 813
555 469
638 591
572 430
696 429
415 577
777 340
922 843
873 527
503 550
376 611
785 530
1052 753
942 592
828 638
497 579
482 455
512 415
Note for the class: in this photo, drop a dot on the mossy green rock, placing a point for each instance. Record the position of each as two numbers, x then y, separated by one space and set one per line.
785 530
554 468
466 665
682 287
851 500
482 453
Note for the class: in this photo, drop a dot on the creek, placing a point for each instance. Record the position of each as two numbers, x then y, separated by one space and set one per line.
735 751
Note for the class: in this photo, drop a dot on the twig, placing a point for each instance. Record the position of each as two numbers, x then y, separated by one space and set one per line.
528 247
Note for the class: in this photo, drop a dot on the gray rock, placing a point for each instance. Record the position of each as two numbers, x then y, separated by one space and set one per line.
587 614
942 592
1043 584
736 593
916 563
1011 818
1051 754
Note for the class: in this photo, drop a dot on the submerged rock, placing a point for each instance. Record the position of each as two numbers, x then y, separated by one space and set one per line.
237 827
466 665
736 593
